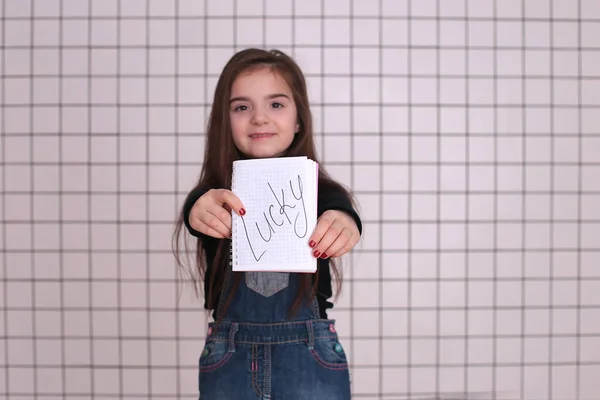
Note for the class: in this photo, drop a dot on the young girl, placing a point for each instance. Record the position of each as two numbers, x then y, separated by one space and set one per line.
271 338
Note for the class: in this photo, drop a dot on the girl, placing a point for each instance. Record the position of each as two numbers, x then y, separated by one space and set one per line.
271 338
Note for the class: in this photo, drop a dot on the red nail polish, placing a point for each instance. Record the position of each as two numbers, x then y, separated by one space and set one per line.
242 211
312 243
324 255
316 253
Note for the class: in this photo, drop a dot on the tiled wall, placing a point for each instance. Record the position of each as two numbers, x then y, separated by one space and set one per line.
469 131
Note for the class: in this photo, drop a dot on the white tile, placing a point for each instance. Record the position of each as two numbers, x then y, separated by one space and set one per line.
220 31
365 32
589 93
453 178
104 378
531 378
589 175
105 352
590 31
394 120
480 33
366 324
395 148
364 379
480 8
279 32
366 177
338 7
424 207
101 8
423 119
220 8
452 237
589 8
536 321
395 7
366 149
422 323
395 177
365 60
394 294
423 33
366 119
508 350
395 206
77 352
133 8
421 379
161 32
78 379
337 90
452 8
480 350
336 31
452 33
134 325
394 323
277 7
135 381
394 61
46 33
21 379
249 32
308 32
21 323
422 351
423 294
362 293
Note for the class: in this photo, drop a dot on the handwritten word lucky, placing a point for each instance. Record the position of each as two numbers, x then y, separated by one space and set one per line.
281 212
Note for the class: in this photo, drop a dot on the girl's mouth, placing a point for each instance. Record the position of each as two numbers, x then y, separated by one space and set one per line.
261 135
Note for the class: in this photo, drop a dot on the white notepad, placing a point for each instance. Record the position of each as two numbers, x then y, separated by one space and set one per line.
280 199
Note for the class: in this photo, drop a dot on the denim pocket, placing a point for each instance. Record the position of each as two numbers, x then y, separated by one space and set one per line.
267 283
214 355
329 353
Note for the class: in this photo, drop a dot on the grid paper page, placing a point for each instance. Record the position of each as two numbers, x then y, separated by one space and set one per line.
279 196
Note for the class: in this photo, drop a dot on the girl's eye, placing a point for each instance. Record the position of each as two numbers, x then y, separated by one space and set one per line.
277 105
240 108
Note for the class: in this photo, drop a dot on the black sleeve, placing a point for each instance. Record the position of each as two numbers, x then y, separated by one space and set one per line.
191 199
337 201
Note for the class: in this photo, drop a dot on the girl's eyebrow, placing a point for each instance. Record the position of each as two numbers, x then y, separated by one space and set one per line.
271 96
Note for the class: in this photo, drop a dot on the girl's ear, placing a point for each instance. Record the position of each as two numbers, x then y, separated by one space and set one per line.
297 128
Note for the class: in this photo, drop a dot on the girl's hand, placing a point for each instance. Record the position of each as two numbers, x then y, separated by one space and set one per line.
211 214
335 235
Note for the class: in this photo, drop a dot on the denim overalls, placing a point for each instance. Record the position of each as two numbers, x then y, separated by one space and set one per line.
256 351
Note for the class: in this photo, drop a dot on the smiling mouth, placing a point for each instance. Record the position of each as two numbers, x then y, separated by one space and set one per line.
262 135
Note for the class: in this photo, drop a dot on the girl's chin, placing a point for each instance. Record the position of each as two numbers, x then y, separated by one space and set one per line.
264 153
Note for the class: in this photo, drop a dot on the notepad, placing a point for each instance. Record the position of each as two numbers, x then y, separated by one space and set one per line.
280 199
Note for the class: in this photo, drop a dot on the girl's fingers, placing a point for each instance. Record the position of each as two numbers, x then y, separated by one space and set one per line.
214 223
207 230
222 214
346 247
224 196
331 235
338 246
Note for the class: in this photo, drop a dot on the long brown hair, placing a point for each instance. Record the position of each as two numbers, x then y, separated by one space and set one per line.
220 152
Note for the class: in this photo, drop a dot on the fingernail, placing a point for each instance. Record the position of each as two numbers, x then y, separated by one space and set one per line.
316 253
312 243
242 211
324 255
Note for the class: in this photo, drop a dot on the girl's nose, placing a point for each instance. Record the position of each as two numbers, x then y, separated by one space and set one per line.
259 117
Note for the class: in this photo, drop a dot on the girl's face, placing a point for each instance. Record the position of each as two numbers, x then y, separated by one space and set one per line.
262 113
